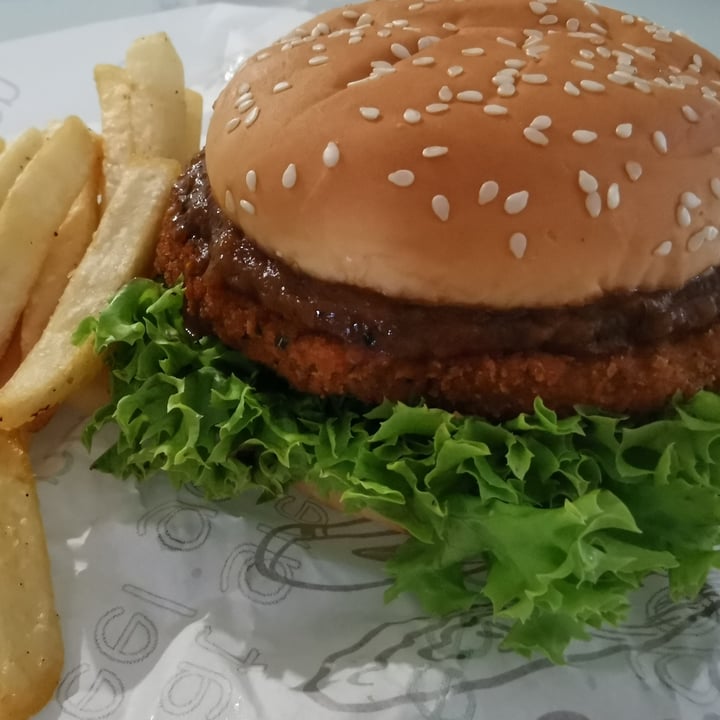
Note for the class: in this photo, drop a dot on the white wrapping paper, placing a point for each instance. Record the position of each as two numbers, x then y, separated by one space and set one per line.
173 607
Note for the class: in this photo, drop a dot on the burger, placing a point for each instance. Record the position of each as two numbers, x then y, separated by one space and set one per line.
452 263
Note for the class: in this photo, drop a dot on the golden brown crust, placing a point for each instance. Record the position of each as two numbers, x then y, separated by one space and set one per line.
590 72
638 380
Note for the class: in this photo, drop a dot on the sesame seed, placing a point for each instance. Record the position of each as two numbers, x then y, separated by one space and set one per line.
289 177
592 8
472 96
424 61
232 124
604 52
251 180
597 27
350 14
518 245
620 78
331 155
427 41
434 151
541 122
365 19
281 86
715 187
245 105
319 47
243 88
320 29
229 203
402 178
573 24
399 51
634 170
262 56
707 234
593 204
370 113
690 114
534 78
506 90
690 200
445 94
515 63
538 8
587 54
247 206
584 137
252 116
412 116
588 183
660 142
535 136
624 130
400 22
437 107
628 19
643 86
379 71
244 98
441 207
495 110
582 64
549 20
505 41
384 33
663 249
517 202
354 40
488 192
473 52
450 27
613 196
416 6
318 60
697 60
571 89
592 86
683 217
455 70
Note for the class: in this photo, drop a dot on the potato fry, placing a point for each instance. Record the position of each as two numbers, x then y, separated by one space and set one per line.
69 246
10 361
16 158
121 249
157 98
113 89
31 645
2 145
193 124
34 209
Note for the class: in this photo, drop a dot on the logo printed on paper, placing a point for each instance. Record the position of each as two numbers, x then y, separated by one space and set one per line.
99 700
159 601
9 94
125 640
179 525
250 659
196 692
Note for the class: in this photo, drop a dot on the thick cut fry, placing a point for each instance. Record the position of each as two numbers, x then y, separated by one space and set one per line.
121 249
193 124
113 89
31 648
34 209
157 98
72 239
15 159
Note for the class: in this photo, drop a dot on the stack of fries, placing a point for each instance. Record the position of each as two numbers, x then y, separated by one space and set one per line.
79 216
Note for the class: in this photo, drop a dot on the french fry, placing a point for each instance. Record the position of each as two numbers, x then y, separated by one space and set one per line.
193 124
43 193
15 159
31 648
11 359
2 145
121 249
72 239
157 98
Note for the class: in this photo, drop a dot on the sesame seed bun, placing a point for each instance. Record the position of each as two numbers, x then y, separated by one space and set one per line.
502 153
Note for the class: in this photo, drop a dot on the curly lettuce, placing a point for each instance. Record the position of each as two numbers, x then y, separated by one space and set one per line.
568 515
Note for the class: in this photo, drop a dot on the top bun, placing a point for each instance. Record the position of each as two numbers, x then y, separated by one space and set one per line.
502 153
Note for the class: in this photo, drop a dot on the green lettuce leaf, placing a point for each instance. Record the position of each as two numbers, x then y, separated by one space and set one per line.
566 515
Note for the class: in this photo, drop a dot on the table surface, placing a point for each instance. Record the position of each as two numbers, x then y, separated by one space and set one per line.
700 18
